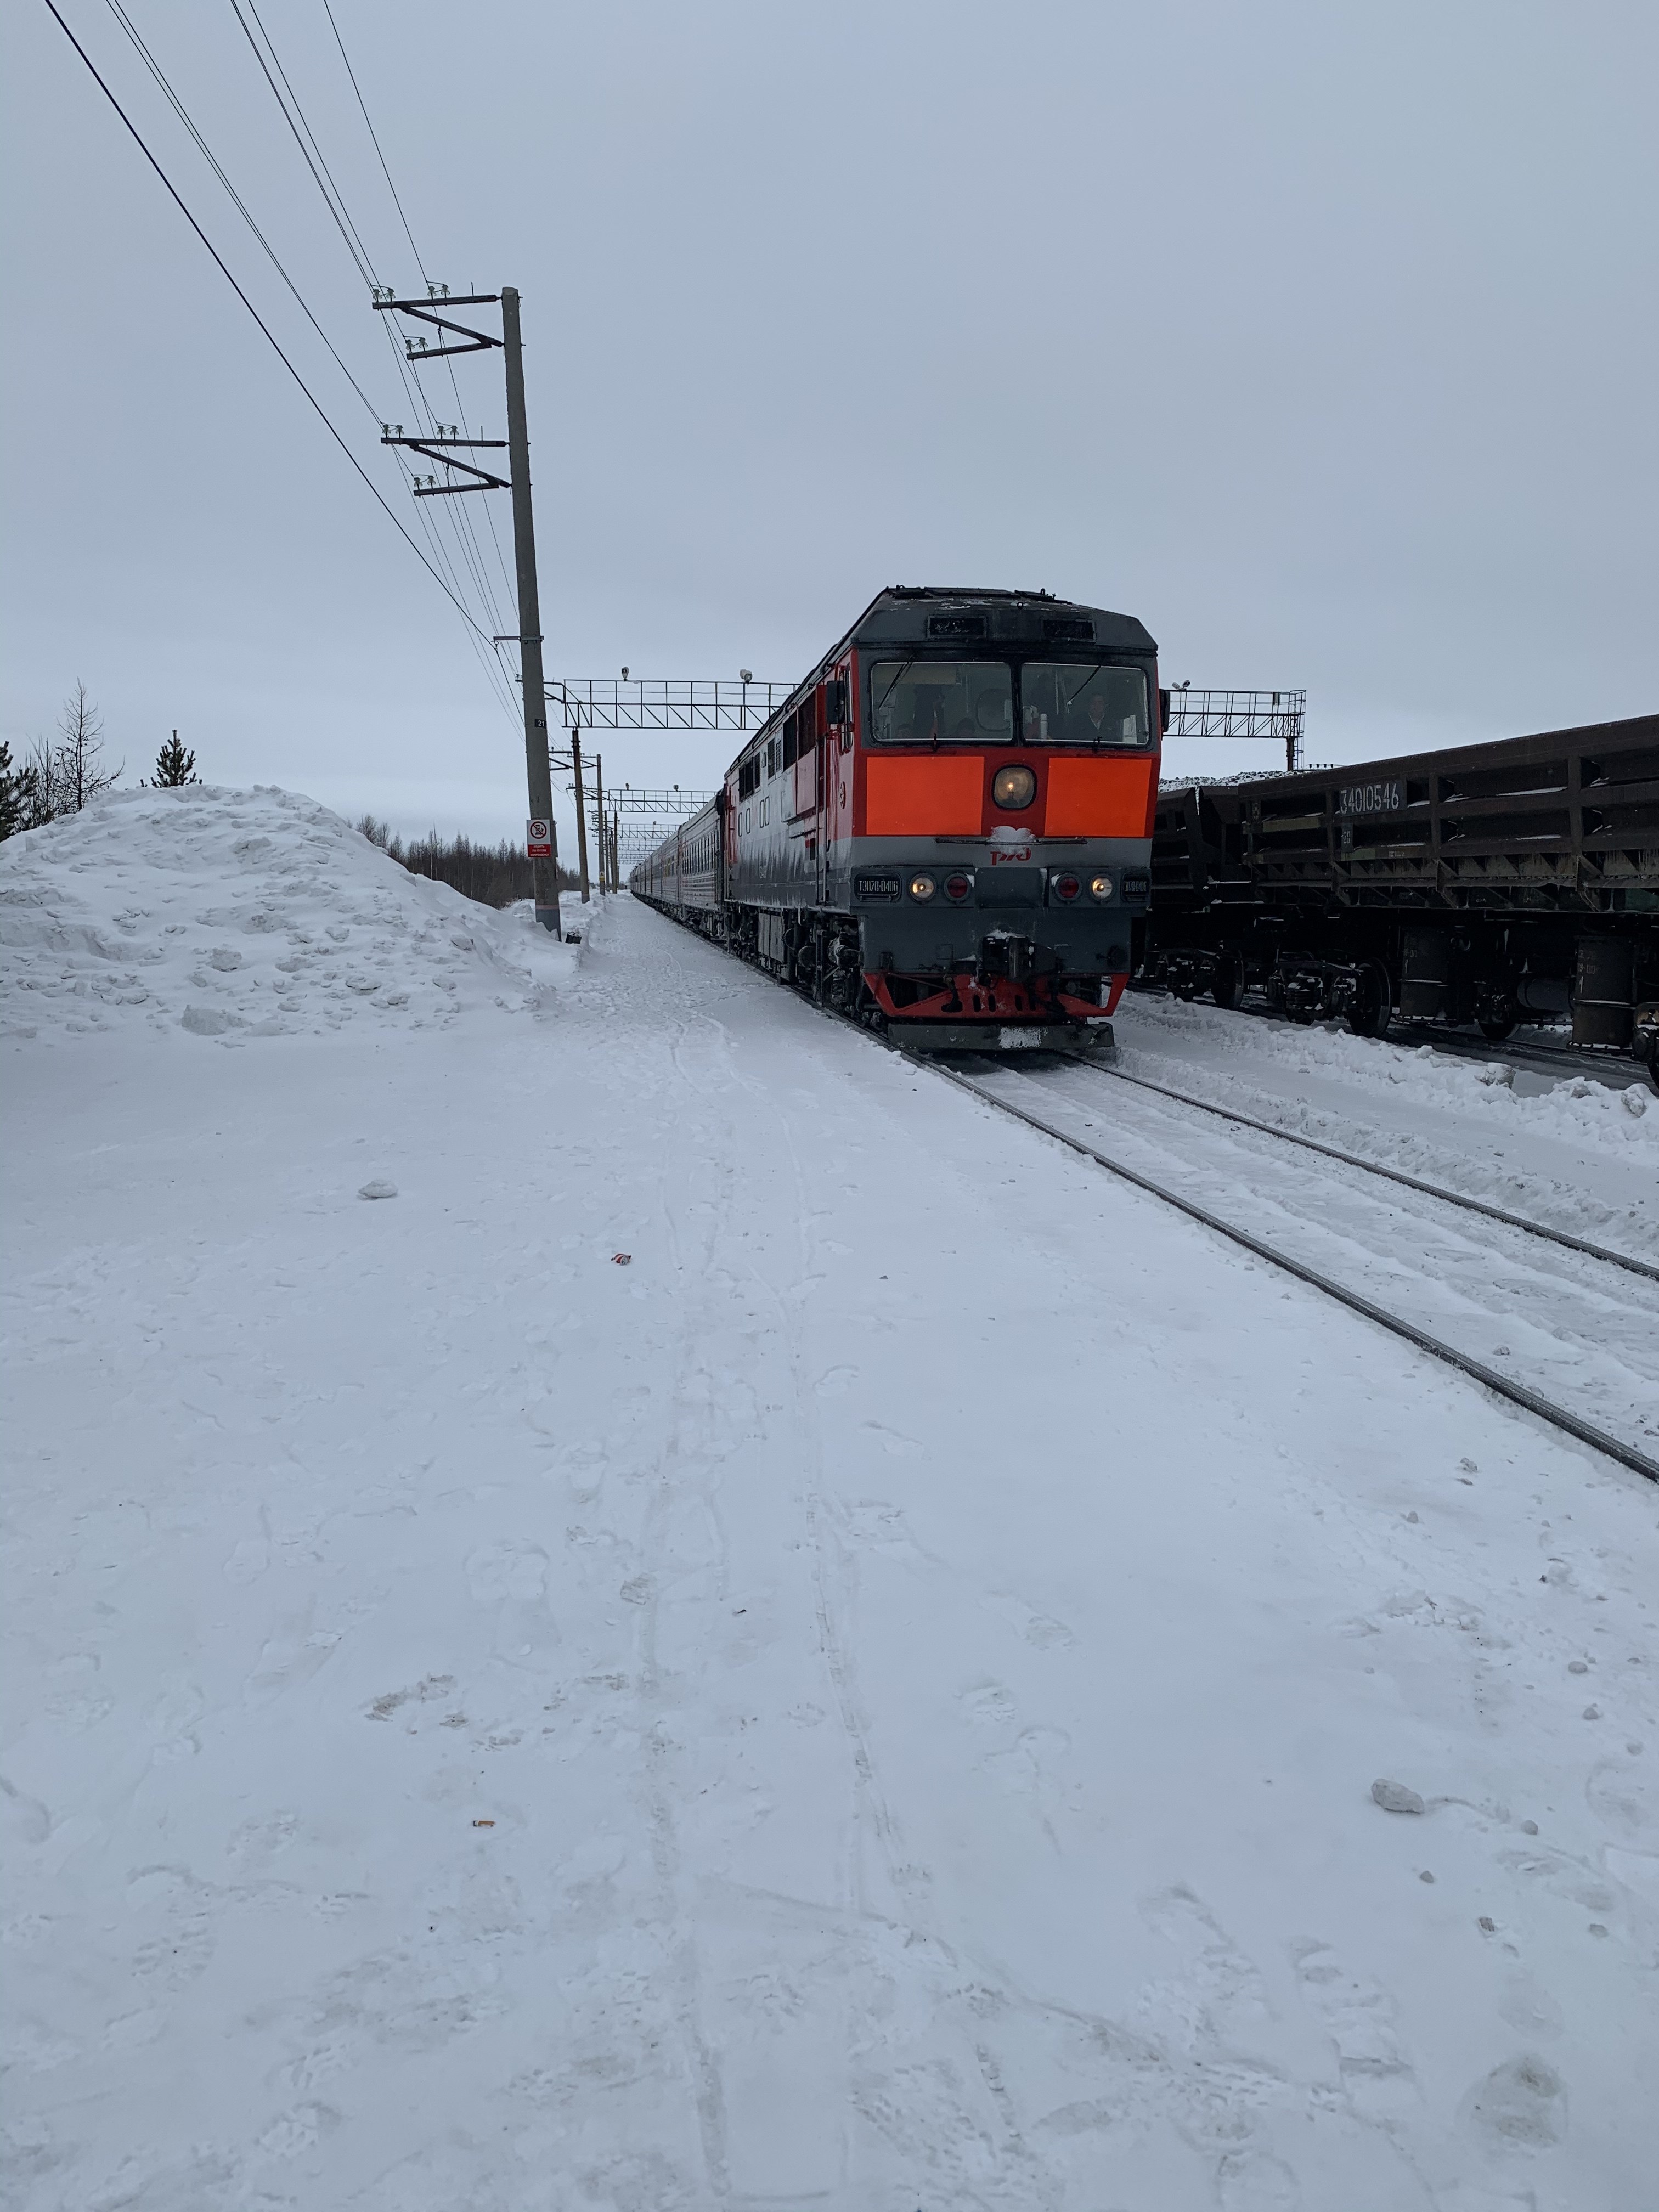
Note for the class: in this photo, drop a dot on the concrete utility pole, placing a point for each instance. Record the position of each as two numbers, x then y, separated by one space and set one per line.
599 818
544 874
581 819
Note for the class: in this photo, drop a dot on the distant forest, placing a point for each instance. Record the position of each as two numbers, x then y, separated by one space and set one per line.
495 875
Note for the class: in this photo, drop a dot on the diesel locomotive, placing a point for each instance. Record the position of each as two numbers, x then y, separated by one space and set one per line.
946 828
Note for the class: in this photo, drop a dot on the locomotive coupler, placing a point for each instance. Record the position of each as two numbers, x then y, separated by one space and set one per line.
1003 953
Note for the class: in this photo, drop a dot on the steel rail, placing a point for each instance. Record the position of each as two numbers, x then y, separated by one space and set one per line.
1617 1070
1556 1417
1371 1167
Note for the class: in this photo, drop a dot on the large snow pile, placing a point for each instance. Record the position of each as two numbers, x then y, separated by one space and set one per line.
242 914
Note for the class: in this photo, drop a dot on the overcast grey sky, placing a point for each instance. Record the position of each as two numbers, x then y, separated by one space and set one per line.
1321 337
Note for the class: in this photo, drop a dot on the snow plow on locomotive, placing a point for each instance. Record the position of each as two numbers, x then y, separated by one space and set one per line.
1490 886
945 830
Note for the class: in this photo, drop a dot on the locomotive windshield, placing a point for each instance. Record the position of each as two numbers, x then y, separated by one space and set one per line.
1061 702
1072 702
921 703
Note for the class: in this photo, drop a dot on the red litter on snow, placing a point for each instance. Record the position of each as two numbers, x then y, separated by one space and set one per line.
621 1258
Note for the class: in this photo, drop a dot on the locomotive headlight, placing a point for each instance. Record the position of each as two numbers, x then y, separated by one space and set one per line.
1100 887
1013 787
921 887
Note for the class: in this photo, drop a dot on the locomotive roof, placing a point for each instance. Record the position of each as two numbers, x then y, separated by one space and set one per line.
911 614
915 615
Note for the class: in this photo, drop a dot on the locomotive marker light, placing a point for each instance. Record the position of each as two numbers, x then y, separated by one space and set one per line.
921 887
957 887
1013 788
1066 887
1100 887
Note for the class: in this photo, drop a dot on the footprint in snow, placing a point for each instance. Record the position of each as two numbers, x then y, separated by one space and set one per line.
1520 2104
1358 2018
1226 1981
989 1706
1039 1629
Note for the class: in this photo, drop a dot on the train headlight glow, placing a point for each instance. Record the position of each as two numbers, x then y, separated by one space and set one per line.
1013 787
921 887
1100 887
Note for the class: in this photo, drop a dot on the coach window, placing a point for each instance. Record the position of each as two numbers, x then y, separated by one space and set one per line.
930 703
1083 704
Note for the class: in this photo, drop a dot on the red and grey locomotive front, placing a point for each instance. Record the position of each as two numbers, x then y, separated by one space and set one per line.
947 827
1004 782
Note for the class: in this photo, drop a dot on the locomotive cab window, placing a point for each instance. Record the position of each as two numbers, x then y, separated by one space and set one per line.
927 703
1083 704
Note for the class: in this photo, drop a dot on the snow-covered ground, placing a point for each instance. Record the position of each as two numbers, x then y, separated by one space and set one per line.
872 1702
1580 1155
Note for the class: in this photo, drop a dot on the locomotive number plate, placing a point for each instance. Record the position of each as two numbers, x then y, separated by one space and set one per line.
877 887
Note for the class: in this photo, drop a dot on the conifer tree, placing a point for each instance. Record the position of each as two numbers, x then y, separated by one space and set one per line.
15 808
175 766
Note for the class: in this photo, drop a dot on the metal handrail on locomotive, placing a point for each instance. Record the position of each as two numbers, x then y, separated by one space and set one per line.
946 828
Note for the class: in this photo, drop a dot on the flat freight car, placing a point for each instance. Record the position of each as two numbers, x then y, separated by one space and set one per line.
1489 886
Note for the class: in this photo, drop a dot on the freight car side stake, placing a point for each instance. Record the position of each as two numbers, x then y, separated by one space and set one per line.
1556 1416
1371 1167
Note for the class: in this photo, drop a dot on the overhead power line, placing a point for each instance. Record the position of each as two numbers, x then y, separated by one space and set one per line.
490 664
374 135
305 137
330 191
454 385
236 199
265 331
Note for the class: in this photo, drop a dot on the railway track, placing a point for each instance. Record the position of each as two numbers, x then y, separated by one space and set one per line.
1600 1307
1562 1063
1625 1259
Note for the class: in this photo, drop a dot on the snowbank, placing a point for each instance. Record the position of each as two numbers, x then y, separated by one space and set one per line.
1580 1155
243 913
1573 1107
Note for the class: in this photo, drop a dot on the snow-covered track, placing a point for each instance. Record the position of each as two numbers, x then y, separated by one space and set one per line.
1556 1416
1563 1063
1373 1167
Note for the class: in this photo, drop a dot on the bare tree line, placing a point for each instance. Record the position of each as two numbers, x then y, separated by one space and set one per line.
495 875
62 774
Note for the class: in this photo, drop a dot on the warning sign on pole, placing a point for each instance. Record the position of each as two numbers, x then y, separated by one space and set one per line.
539 839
